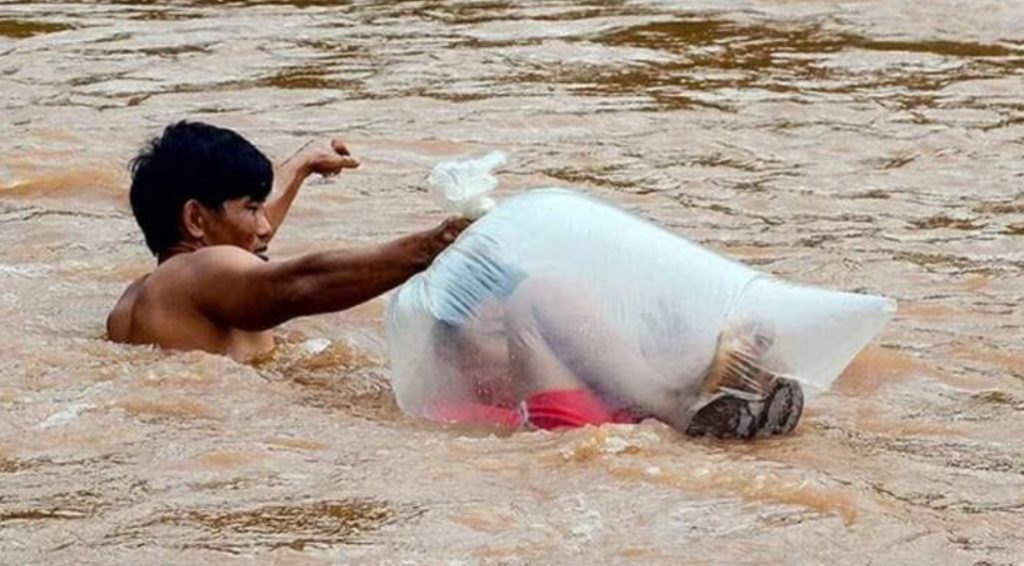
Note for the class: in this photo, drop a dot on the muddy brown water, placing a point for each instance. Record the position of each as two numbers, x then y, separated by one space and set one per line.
870 145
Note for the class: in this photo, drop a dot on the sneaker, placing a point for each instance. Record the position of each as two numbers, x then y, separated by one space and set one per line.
727 416
782 409
735 415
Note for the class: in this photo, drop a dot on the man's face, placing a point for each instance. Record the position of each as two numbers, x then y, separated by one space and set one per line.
241 222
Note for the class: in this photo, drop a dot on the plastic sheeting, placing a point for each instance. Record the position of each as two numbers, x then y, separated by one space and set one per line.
556 284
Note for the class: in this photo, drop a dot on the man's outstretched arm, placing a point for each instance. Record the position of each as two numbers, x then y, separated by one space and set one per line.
326 158
237 290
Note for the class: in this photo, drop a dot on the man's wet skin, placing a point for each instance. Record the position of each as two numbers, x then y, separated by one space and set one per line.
203 198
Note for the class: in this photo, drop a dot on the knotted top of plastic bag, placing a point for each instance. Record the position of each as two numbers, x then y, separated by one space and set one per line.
460 186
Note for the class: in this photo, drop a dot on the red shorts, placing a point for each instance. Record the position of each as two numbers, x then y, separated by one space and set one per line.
560 408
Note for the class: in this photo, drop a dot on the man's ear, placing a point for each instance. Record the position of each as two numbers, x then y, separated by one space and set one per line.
193 219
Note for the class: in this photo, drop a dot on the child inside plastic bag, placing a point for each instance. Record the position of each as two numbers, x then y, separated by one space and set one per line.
543 342
556 309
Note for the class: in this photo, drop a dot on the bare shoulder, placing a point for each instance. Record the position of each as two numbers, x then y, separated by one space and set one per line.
215 260
214 283
119 321
173 285
183 273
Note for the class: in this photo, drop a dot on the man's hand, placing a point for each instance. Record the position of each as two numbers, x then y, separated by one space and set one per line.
443 235
326 158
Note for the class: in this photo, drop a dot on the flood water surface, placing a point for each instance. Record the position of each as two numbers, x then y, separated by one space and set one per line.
870 146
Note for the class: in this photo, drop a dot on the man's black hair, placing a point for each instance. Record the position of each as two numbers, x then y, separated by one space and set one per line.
193 160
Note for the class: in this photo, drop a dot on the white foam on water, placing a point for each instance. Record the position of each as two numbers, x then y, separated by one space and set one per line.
31 271
315 346
65 416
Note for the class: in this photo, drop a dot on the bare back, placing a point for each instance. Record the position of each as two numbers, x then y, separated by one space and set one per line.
160 308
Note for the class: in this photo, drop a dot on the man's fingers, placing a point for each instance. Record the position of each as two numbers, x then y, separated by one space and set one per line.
348 162
453 227
330 165
447 232
460 223
336 159
339 147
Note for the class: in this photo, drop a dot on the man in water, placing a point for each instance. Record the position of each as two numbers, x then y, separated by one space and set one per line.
208 203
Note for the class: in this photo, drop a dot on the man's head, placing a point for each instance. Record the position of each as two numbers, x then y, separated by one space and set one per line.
201 185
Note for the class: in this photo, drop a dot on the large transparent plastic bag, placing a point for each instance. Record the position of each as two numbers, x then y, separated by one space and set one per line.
645 318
